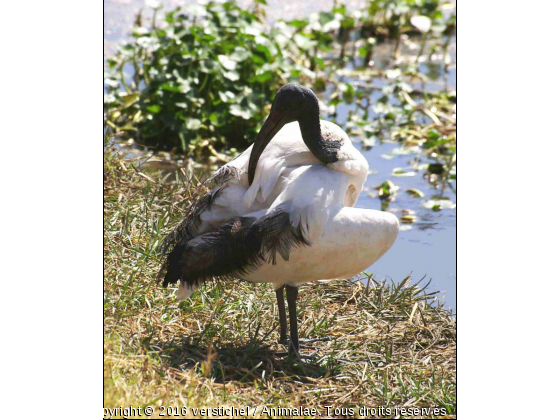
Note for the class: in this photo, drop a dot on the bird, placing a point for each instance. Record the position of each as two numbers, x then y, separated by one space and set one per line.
281 212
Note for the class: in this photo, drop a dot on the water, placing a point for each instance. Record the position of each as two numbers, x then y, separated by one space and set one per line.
426 248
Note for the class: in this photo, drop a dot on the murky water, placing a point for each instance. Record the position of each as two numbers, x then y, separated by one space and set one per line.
426 248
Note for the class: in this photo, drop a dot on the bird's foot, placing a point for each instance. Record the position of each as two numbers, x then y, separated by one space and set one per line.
309 356
297 355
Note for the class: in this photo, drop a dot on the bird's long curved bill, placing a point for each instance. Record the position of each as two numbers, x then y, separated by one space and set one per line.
271 126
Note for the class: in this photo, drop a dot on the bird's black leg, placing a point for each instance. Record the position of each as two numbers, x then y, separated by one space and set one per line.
282 313
291 293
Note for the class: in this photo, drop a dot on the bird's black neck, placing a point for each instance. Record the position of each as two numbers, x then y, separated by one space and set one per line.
310 126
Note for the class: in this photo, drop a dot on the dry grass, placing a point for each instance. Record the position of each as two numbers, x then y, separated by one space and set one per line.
374 345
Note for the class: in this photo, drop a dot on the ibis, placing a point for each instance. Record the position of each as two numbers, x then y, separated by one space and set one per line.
282 212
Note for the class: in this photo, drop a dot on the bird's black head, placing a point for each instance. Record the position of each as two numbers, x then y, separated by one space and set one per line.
292 102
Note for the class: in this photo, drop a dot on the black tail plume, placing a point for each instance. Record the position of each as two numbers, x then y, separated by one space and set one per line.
235 249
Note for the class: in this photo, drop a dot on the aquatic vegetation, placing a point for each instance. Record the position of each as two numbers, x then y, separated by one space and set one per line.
421 122
207 73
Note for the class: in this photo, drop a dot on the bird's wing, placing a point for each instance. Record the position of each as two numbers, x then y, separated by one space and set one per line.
306 198
287 149
210 189
310 194
228 193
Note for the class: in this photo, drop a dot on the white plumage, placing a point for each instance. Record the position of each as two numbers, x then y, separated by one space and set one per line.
345 241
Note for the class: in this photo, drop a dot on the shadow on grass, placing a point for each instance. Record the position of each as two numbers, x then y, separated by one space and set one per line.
243 362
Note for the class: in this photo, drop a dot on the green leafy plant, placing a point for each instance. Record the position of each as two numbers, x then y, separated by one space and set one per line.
206 75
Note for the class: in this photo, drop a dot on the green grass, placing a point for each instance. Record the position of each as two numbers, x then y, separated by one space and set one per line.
374 344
